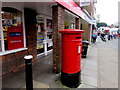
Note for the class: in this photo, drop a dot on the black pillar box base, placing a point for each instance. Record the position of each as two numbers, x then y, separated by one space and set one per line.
84 56
71 80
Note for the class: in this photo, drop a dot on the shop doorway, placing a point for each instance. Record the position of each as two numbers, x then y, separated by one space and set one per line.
40 35
44 35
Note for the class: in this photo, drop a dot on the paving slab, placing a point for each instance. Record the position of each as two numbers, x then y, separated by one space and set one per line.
85 86
90 81
108 64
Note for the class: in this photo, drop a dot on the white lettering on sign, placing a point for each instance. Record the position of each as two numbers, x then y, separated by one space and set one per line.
15 41
69 2
79 49
66 1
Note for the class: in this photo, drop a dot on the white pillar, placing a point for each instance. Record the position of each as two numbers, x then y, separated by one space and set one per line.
45 41
2 45
24 35
1 29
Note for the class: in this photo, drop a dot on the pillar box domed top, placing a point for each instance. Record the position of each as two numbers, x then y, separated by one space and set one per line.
71 31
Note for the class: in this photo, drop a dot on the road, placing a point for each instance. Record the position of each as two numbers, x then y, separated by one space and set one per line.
107 63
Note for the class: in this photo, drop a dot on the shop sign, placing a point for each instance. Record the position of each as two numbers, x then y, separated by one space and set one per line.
71 5
85 2
15 34
15 37
40 20
85 17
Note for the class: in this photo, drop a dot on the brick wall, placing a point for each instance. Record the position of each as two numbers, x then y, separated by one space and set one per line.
31 31
13 62
58 24
77 23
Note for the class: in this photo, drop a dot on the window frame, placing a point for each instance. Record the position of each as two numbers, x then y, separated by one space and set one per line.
4 52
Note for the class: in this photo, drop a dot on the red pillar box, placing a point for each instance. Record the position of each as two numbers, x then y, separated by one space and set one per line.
71 57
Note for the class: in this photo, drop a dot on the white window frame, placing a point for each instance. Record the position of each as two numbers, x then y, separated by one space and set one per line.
1 29
2 35
45 40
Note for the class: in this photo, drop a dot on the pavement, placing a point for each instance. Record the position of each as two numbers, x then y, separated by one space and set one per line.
108 65
99 70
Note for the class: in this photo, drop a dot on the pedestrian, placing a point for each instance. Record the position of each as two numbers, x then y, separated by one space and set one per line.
98 33
94 37
114 35
111 36
108 36
102 36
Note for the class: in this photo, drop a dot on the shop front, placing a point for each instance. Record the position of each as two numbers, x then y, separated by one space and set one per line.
12 46
33 28
24 30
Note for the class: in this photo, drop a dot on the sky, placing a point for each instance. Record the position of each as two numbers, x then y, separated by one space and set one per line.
108 10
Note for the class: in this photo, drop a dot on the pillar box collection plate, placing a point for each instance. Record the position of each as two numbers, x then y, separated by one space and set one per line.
71 57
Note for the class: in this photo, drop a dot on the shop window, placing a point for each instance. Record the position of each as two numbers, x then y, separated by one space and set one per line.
49 28
49 34
44 34
69 20
40 35
0 43
12 28
69 25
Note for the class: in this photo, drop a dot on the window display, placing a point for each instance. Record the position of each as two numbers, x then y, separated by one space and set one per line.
69 25
40 35
49 28
12 28
40 44
0 43
69 20
49 34
44 35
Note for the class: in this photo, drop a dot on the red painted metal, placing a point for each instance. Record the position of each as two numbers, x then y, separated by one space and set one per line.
15 37
71 50
71 5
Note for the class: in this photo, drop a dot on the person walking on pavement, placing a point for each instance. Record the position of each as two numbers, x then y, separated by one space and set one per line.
94 37
114 35
111 35
108 35
103 36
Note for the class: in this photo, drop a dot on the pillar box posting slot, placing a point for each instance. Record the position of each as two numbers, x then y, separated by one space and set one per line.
71 57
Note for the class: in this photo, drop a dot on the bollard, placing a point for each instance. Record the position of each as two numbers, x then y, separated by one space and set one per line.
28 72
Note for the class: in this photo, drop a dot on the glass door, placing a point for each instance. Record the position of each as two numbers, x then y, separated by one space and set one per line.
49 35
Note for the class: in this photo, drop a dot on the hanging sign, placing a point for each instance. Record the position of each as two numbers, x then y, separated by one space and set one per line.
84 3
